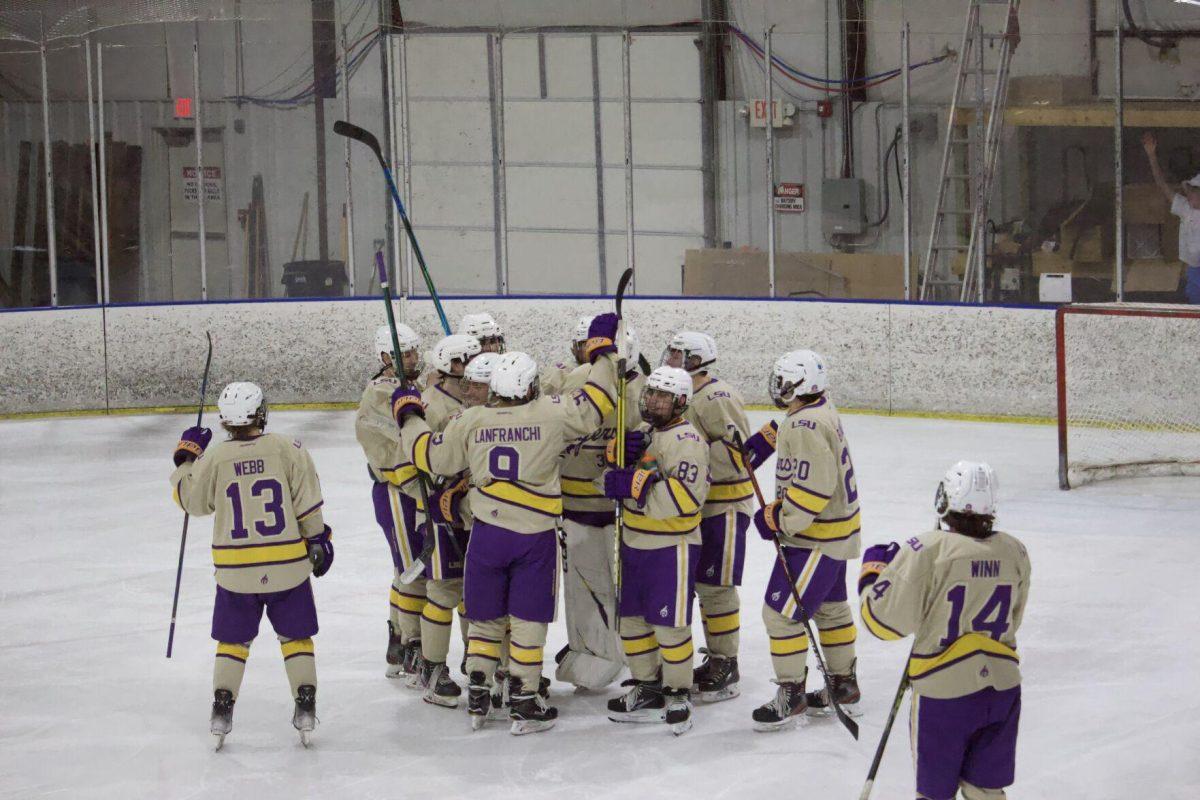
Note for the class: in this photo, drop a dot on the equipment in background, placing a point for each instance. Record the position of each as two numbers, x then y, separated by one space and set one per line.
254 242
314 279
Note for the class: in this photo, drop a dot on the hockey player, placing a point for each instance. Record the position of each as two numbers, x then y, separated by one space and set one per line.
511 447
477 379
593 657
662 492
268 537
484 328
718 413
815 518
394 494
961 590
444 569
556 376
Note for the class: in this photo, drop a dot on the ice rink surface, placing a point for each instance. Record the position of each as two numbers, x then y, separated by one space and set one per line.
89 707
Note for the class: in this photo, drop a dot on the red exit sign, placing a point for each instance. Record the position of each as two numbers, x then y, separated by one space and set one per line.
183 108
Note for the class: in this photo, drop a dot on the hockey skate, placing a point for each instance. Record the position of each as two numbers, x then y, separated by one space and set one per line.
305 717
502 686
784 711
479 699
221 722
530 713
413 663
678 710
395 653
644 702
845 692
717 678
440 688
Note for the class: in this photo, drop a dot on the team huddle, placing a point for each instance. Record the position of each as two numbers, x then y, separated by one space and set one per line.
492 480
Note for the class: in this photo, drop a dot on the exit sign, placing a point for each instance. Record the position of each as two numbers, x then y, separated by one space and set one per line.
183 108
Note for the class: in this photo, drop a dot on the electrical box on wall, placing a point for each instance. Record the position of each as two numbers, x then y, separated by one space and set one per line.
842 211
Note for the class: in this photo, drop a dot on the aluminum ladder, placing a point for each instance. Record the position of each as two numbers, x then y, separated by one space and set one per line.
969 152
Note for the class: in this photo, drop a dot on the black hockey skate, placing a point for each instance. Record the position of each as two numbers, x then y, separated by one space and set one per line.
644 702
395 653
440 688
717 678
502 688
412 664
479 699
845 692
305 717
784 711
530 713
678 710
221 722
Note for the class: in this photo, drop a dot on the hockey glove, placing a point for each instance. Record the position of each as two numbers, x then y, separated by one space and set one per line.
636 443
630 483
320 551
874 561
602 336
444 504
406 400
766 520
761 445
192 444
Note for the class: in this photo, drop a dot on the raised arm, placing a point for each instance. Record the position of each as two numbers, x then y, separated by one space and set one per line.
1150 145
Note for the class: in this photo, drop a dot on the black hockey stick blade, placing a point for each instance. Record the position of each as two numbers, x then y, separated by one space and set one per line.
644 363
622 284
352 131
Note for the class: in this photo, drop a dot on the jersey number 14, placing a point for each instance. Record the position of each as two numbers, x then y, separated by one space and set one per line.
992 619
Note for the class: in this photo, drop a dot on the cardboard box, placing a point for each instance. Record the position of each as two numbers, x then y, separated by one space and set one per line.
743 273
1049 90
1151 275
1144 204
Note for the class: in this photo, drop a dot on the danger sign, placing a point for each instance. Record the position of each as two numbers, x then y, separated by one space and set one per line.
789 197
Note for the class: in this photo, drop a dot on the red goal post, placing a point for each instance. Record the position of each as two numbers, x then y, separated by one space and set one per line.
1128 379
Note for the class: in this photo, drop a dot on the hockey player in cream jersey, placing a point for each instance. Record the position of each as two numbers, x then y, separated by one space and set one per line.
484 328
511 448
268 537
443 399
718 413
815 517
662 492
961 591
593 657
393 493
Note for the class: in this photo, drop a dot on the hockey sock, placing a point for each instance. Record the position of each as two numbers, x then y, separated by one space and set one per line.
437 618
972 792
675 649
789 645
641 649
837 633
406 602
525 652
300 662
483 646
719 608
230 666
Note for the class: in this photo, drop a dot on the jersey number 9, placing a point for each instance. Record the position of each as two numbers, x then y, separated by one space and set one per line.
504 463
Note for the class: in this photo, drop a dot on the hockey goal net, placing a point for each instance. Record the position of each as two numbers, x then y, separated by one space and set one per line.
1128 391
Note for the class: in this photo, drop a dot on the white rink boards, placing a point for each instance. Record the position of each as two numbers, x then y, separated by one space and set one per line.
90 708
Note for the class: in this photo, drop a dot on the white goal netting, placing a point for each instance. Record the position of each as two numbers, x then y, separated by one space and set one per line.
1129 391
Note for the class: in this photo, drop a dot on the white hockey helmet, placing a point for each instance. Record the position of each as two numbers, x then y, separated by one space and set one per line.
798 373
480 368
484 328
969 487
579 338
409 341
455 347
691 344
671 381
633 347
242 403
515 377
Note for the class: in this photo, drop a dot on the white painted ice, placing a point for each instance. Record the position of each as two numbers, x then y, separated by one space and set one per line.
90 708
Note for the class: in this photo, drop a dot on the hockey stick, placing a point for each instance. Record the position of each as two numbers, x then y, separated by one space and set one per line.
842 716
350 131
887 731
186 516
619 522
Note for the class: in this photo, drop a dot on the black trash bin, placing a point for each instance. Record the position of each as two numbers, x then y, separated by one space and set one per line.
314 279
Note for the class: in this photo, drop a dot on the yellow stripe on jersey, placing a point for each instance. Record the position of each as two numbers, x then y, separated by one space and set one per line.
971 644
789 645
518 496
735 456
175 495
844 634
811 502
520 654
238 651
420 454
643 524
250 556
830 531
599 398
729 492
676 654
578 487
407 603
877 628
640 645
297 647
683 498
401 475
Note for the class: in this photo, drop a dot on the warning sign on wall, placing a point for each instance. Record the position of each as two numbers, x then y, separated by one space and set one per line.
789 197
212 184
